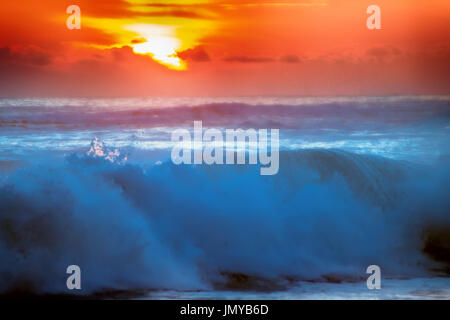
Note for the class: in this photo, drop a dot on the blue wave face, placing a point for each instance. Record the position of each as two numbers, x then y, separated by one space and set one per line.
327 214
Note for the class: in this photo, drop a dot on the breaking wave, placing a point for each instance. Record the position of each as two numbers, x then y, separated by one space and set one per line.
327 214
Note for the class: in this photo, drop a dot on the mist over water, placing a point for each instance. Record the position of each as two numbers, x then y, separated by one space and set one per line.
361 181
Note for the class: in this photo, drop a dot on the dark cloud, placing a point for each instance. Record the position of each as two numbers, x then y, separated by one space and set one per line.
245 59
31 55
382 53
122 53
290 58
441 51
197 54
5 54
138 40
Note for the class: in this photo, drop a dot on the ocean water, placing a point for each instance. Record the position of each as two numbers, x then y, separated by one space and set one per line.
361 181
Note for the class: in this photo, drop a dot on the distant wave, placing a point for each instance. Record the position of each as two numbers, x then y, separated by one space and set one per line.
295 113
408 128
328 214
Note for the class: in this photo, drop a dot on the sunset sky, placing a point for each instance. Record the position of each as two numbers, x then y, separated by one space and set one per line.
223 48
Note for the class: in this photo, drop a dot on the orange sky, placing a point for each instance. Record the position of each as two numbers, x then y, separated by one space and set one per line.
222 48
